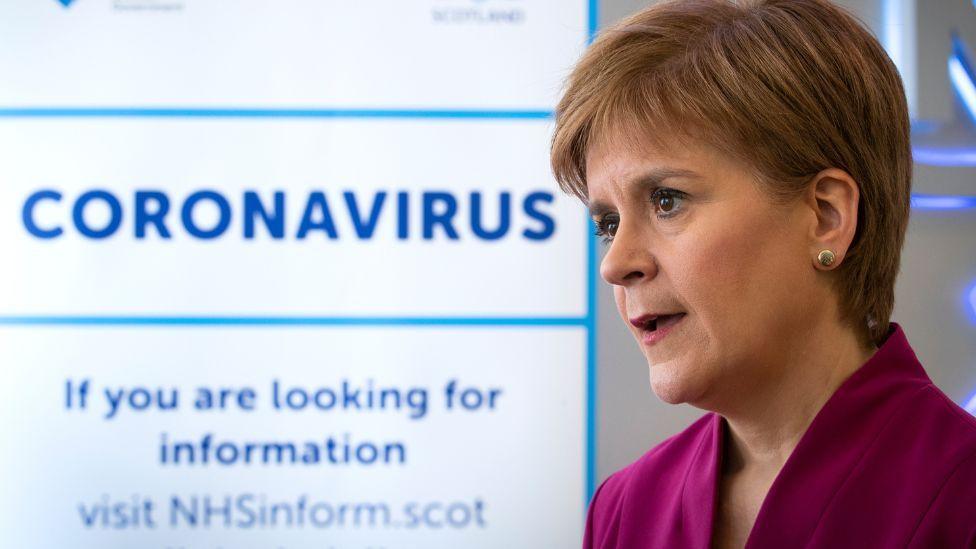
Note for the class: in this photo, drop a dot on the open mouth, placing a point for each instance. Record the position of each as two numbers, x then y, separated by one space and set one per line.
653 323
654 328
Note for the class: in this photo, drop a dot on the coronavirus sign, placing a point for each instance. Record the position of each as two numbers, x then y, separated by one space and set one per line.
290 274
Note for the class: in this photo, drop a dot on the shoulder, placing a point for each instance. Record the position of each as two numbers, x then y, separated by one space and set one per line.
663 467
935 435
945 437
964 420
935 416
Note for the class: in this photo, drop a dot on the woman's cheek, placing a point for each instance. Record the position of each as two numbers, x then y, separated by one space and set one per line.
712 276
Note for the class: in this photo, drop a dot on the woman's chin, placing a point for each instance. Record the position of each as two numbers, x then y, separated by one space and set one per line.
671 386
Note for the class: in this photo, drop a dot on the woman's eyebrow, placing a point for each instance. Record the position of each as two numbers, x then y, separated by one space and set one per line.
599 209
658 175
651 178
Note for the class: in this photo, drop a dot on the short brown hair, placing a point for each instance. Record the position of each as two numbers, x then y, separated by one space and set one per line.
791 87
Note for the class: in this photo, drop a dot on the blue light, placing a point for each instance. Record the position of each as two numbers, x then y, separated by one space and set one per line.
971 405
962 82
971 302
945 156
942 202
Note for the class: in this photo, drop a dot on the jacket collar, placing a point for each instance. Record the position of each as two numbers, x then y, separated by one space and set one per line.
828 450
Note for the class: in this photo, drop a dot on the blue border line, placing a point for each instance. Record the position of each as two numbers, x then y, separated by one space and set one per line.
591 381
193 112
593 20
390 321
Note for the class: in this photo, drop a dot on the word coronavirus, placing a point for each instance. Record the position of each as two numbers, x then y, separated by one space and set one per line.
427 215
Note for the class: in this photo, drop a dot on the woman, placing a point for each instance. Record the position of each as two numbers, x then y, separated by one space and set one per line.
749 167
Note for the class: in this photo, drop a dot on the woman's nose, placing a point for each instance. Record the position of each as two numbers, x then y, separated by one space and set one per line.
628 259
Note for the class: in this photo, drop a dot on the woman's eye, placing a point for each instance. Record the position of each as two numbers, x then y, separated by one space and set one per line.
667 201
607 227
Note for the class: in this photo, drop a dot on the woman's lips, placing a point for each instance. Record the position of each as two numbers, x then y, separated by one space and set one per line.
653 331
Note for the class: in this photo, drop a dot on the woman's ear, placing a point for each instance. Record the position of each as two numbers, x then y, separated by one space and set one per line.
834 196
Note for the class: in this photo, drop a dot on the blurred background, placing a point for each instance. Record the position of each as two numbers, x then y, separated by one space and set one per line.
296 274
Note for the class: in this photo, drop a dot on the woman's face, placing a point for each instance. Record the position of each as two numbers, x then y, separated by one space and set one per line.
694 236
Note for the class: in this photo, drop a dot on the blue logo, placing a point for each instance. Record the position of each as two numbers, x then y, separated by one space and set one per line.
66 3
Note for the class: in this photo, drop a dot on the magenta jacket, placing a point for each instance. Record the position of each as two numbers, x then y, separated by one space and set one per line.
889 461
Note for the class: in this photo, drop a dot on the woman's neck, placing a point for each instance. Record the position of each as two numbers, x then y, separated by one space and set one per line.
765 428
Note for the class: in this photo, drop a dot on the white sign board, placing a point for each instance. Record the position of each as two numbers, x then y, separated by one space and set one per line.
290 274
